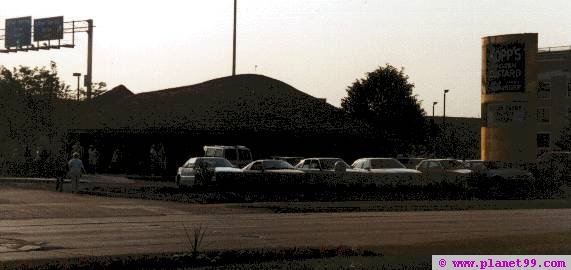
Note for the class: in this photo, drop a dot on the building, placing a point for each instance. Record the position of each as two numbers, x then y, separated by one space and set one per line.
553 95
508 98
270 117
526 97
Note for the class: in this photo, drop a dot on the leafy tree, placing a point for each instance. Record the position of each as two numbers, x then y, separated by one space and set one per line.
385 100
97 89
37 111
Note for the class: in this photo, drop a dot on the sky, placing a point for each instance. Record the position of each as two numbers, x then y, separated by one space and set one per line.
318 46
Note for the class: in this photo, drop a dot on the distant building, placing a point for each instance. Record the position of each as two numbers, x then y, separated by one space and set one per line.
553 95
526 97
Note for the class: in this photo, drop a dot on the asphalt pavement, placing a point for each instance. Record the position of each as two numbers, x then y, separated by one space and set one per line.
40 224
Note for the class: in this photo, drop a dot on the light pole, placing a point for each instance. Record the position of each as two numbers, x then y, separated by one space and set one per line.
234 41
444 106
78 75
433 104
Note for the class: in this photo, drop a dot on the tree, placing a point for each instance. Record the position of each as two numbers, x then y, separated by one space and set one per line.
97 89
385 100
36 113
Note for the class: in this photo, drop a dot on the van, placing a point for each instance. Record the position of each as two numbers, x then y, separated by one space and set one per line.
238 155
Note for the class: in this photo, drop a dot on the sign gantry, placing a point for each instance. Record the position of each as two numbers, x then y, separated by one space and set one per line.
47 33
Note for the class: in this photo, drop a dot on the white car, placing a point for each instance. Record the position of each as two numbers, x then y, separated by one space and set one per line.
382 165
189 174
270 165
387 171
311 165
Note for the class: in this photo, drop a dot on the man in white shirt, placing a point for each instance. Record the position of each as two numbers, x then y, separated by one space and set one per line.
75 169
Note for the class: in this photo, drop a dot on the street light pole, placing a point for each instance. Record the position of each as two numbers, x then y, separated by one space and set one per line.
444 106
433 104
88 77
234 41
78 75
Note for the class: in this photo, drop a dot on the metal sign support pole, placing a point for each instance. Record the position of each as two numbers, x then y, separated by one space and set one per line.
89 57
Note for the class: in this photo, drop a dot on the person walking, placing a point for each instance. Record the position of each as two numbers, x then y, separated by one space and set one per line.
93 159
76 168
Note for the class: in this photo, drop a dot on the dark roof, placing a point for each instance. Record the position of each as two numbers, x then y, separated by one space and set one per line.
237 103
114 95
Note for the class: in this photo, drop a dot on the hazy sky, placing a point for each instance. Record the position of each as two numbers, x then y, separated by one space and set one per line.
319 46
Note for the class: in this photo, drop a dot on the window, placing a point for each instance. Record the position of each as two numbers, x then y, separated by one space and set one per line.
231 154
543 115
543 140
433 165
244 154
544 89
314 164
257 166
357 164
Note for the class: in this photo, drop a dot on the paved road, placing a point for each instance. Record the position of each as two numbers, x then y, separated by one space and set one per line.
38 224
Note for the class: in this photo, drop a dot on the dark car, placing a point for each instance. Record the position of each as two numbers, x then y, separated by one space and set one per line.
409 162
497 178
555 165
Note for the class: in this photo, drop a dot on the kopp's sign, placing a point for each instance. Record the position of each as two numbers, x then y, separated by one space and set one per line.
505 67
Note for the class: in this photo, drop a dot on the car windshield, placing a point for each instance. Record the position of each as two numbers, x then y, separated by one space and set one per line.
329 164
450 164
385 164
215 162
276 165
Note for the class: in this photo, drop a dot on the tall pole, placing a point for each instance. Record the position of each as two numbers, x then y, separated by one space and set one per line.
234 43
78 87
78 75
444 105
89 57
433 104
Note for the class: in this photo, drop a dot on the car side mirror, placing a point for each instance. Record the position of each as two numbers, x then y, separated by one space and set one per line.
368 168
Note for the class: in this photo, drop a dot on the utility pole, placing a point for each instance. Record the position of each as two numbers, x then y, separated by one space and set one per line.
87 80
234 41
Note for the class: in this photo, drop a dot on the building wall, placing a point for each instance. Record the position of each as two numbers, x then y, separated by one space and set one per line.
554 105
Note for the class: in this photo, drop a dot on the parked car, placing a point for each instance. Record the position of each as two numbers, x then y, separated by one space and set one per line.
323 165
497 170
270 165
410 162
201 171
444 170
555 165
382 165
387 171
496 178
291 160
238 155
